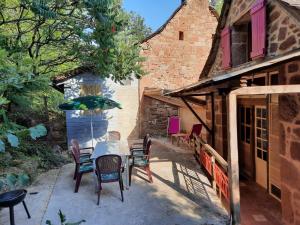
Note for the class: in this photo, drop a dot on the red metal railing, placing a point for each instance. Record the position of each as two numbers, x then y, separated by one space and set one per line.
221 181
206 161
215 165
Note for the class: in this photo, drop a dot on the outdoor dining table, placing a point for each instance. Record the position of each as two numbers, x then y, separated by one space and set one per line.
120 148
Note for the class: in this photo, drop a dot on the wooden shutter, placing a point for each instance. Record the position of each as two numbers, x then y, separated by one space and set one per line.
226 47
258 21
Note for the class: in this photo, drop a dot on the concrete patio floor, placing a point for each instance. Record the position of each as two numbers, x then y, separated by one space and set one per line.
180 195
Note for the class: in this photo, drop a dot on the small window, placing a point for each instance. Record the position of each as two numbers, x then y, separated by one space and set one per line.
181 35
241 40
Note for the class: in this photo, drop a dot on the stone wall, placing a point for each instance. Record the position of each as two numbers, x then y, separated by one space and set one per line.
283 31
289 112
154 117
172 63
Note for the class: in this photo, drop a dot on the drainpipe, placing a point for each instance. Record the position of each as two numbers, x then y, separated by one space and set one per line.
233 163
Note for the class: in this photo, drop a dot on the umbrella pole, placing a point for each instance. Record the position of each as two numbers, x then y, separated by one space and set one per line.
92 130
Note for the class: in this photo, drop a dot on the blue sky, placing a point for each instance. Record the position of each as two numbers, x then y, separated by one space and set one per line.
155 12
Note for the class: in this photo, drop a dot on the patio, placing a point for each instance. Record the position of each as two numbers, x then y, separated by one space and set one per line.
180 194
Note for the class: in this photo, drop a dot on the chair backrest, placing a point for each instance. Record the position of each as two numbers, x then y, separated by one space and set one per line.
148 147
75 150
173 125
114 136
108 164
196 130
145 141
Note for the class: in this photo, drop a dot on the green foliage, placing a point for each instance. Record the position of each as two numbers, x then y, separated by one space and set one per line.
13 181
63 220
37 131
41 38
219 6
11 131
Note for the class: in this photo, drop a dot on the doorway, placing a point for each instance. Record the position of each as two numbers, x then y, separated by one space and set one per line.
253 140
261 146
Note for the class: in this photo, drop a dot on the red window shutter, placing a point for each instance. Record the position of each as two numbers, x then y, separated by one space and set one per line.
258 21
226 48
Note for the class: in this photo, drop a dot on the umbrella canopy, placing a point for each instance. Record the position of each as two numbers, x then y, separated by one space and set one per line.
90 103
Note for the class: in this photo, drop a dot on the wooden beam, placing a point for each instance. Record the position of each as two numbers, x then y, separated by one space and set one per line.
213 138
196 115
233 169
233 161
196 101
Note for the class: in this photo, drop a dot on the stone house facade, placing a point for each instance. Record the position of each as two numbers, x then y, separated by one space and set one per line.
257 44
175 55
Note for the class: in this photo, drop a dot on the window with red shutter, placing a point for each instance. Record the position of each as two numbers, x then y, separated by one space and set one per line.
226 48
258 21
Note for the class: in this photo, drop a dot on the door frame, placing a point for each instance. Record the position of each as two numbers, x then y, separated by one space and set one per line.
253 101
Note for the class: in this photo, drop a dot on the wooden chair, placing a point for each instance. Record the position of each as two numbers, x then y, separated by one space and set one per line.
141 158
188 137
140 145
84 154
108 169
114 136
81 167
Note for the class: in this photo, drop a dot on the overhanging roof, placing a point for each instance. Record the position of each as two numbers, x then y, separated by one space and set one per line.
211 80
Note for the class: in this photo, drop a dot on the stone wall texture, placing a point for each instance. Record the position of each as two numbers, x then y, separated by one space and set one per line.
154 120
172 63
283 31
289 113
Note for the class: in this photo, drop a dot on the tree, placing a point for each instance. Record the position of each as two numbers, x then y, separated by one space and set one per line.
40 38
219 6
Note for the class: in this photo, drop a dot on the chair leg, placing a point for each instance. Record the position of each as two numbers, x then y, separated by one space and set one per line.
130 173
122 183
75 172
121 189
11 215
99 193
78 180
25 207
147 168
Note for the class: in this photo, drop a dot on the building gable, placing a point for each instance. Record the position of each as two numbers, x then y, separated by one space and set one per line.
282 35
176 54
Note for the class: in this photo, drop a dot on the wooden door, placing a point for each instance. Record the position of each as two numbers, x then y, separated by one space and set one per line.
246 161
261 146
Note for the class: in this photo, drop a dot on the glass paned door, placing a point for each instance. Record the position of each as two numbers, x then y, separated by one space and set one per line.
261 146
246 161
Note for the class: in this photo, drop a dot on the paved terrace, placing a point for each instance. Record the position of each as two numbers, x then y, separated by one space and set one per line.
180 195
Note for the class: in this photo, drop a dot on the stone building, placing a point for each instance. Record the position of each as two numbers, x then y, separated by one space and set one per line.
83 81
257 44
175 55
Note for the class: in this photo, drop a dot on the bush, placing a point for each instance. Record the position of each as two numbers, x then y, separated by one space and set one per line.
27 161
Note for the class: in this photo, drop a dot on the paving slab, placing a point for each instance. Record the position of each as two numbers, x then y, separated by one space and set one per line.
180 195
36 200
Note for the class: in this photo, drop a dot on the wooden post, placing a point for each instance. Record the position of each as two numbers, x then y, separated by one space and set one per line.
213 161
213 142
233 162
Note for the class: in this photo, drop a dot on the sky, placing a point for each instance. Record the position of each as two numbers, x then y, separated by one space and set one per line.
155 12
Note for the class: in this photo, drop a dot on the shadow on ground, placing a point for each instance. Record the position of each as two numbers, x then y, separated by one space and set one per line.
180 195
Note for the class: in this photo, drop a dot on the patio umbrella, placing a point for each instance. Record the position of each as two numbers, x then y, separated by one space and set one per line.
90 103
